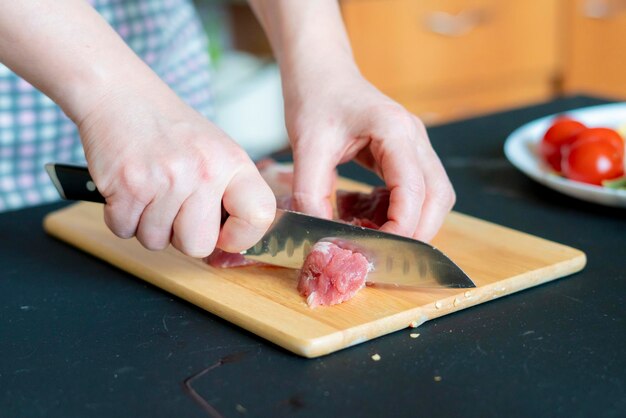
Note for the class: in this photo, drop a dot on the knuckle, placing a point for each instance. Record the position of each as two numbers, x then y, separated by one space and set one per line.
444 195
416 189
172 170
152 240
264 214
133 180
119 228
207 168
121 232
396 120
201 246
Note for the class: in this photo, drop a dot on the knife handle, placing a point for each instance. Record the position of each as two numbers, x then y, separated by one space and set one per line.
73 182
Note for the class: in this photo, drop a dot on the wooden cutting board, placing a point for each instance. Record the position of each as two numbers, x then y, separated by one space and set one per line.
264 300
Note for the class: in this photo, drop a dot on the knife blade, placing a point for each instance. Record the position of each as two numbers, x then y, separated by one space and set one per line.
397 261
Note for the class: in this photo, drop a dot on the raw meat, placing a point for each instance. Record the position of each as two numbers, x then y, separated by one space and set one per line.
332 275
363 209
222 259
365 223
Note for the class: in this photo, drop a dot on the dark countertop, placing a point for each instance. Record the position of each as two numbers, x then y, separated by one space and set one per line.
81 338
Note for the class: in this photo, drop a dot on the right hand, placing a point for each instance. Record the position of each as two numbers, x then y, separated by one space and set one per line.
165 172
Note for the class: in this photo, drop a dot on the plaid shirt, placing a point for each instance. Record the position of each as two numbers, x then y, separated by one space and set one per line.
166 34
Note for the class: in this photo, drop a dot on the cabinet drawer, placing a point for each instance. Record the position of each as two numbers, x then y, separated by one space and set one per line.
425 43
447 105
596 61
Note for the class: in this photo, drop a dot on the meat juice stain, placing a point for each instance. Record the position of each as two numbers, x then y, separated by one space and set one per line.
234 358
295 402
188 389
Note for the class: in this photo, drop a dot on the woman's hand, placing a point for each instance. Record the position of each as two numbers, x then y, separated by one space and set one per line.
165 171
334 117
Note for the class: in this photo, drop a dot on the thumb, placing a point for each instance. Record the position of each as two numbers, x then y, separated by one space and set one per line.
313 183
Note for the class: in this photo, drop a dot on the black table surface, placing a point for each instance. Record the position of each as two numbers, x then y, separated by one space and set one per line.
80 338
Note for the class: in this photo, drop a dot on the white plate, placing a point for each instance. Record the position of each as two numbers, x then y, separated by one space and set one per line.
521 147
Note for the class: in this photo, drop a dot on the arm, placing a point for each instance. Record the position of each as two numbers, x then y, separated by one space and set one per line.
66 49
333 115
163 169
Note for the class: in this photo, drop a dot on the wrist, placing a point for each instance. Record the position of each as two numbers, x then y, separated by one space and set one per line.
313 73
95 84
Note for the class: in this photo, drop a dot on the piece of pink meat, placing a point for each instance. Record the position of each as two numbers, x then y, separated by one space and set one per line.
332 275
363 209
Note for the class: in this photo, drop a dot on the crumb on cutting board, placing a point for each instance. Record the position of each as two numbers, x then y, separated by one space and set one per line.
414 335
437 378
376 357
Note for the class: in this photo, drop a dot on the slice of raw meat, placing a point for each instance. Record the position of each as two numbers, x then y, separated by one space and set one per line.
332 275
363 209
365 223
222 259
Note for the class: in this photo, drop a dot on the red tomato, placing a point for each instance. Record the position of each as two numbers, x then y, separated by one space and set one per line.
591 161
561 134
603 134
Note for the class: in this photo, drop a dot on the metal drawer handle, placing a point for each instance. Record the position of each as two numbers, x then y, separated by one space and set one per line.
456 25
603 9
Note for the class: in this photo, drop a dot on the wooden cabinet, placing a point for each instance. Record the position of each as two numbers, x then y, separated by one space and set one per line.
445 59
596 47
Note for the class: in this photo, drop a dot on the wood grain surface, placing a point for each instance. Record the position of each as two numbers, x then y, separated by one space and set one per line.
264 300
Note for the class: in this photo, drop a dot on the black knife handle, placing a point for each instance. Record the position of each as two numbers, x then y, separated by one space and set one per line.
74 182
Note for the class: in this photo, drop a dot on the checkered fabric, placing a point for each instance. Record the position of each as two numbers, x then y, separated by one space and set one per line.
166 34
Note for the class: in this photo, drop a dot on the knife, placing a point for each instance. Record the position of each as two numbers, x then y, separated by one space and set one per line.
397 261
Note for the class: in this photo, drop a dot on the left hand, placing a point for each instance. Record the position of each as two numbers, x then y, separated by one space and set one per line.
334 117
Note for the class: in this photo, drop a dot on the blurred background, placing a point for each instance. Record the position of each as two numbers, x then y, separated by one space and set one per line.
442 59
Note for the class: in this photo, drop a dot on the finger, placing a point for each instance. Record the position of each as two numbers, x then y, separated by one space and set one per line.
122 214
155 225
196 226
438 202
251 206
313 183
433 216
440 195
397 158
406 198
126 198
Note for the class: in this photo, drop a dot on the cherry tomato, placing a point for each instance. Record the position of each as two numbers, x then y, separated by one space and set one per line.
561 134
607 135
591 161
